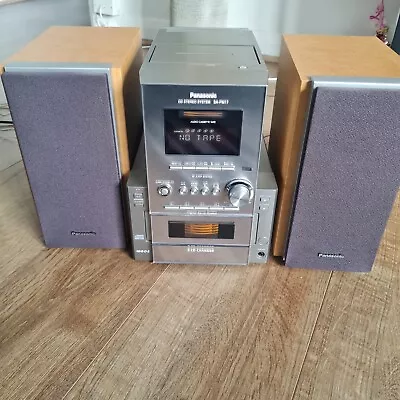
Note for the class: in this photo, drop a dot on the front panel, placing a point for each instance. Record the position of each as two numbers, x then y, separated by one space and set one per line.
197 140
65 129
139 216
219 238
262 224
349 174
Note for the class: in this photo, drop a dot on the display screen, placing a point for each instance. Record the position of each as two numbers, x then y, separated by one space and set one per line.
203 132
201 230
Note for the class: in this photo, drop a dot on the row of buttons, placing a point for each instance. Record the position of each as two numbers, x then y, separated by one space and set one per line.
201 168
138 200
264 203
205 190
202 208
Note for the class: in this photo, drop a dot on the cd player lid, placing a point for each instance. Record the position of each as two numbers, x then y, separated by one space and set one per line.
236 56
204 56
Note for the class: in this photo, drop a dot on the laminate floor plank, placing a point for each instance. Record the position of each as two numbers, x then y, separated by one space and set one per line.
59 307
10 153
207 332
20 235
59 311
355 349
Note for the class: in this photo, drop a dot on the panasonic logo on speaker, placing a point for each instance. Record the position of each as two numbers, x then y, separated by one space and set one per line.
330 255
194 95
83 233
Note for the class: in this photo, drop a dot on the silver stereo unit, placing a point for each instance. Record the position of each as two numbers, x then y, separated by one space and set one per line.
261 223
203 93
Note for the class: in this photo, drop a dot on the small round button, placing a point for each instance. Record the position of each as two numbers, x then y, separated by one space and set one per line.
164 190
205 190
194 190
215 190
262 240
183 190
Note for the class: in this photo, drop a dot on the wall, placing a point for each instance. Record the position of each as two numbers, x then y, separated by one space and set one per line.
21 22
269 18
151 15
342 16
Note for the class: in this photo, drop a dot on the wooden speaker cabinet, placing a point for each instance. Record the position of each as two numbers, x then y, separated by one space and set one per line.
74 97
334 149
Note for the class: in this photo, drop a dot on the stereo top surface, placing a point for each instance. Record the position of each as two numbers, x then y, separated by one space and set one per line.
204 56
80 44
351 56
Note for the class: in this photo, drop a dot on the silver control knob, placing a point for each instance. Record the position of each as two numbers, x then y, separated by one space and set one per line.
205 190
183 190
194 190
240 192
215 190
164 190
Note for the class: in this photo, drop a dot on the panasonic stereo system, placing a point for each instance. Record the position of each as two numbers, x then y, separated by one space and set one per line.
201 189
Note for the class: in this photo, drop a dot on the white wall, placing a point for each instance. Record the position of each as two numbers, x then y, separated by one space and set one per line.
21 22
342 16
270 18
150 15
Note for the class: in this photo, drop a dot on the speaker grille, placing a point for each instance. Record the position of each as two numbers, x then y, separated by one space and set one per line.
349 177
65 131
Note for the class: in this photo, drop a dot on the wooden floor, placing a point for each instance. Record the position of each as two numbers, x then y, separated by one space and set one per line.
93 324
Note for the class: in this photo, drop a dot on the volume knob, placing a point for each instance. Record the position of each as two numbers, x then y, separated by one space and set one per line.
240 193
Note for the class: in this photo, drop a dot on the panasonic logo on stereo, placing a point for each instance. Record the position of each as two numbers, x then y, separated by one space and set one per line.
194 95
330 255
83 233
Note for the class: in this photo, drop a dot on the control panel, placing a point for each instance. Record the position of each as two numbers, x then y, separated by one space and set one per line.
202 155
263 218
139 212
236 194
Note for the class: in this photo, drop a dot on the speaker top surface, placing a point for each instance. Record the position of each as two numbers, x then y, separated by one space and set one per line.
352 56
80 44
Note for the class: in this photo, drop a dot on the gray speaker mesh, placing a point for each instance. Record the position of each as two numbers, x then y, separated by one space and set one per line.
349 178
65 131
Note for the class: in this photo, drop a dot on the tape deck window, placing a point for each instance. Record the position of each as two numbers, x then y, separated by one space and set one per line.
199 230
203 132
